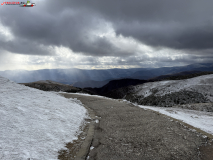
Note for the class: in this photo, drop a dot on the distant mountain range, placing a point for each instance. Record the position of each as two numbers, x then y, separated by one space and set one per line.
181 75
97 78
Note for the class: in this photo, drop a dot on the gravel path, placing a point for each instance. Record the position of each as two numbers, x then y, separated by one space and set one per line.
126 132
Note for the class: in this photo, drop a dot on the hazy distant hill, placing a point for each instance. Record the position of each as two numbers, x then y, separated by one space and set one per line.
150 73
67 76
70 76
181 75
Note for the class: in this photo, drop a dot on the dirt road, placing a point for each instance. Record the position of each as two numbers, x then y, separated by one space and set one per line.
126 132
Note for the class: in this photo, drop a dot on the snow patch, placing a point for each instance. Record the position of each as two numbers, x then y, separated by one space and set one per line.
36 124
198 119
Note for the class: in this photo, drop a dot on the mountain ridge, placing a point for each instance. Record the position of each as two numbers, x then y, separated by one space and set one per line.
74 75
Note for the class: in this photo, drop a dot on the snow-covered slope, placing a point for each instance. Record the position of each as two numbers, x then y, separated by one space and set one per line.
194 90
198 119
201 84
36 124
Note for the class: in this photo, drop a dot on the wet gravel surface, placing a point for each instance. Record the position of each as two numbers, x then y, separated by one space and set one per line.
127 132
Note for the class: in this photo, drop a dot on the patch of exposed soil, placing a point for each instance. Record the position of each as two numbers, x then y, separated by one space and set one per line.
72 148
207 151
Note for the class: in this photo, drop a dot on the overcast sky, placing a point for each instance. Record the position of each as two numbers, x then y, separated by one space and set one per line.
106 34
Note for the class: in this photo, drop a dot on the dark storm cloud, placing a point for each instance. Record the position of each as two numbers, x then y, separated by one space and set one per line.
25 47
185 25
166 35
165 23
69 28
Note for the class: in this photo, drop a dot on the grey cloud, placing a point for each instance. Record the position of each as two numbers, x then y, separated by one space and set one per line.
67 28
185 25
172 36
22 46
180 24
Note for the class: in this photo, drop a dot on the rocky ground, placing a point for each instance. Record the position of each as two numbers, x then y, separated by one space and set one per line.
127 132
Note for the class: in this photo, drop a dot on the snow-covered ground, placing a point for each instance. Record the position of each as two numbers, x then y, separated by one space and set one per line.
201 84
36 124
198 119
